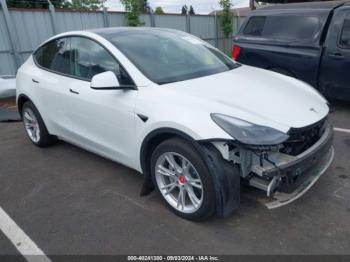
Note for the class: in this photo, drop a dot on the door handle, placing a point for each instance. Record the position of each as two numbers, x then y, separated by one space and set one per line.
35 81
73 92
336 56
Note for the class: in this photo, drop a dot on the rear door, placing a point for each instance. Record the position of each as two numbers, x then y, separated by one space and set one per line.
334 75
50 85
284 42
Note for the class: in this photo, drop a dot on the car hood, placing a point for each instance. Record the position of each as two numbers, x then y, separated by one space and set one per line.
255 95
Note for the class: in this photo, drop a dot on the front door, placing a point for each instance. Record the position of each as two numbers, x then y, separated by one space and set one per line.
103 120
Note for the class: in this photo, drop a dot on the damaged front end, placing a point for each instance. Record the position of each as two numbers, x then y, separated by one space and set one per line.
287 170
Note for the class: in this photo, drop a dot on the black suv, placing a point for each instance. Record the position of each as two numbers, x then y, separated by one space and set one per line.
309 41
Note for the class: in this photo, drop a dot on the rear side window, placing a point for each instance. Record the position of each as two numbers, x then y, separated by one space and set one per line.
255 26
345 35
54 56
284 28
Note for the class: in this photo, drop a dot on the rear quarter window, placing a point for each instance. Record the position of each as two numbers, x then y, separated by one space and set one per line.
284 27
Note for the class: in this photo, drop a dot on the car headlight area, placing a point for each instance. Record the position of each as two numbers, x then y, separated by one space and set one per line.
248 133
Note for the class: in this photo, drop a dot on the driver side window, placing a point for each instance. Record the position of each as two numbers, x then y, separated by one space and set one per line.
88 58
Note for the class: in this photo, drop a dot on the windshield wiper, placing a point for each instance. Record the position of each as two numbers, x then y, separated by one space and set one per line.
235 65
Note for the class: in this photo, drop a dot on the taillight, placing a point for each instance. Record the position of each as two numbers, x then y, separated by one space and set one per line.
235 51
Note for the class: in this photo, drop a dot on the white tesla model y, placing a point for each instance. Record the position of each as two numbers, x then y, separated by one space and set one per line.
195 123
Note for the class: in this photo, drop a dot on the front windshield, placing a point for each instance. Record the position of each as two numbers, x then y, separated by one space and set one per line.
170 56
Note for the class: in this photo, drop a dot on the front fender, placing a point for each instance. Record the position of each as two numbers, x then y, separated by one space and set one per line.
226 178
225 175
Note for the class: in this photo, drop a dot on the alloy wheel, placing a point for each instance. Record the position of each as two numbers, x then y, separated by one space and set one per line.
179 182
31 125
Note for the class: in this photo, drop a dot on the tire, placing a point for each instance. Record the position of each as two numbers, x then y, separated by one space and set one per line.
199 203
35 126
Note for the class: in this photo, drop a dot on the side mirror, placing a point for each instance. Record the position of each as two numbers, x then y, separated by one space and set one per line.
105 80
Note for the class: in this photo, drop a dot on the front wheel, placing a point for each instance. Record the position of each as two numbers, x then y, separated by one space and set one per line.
183 180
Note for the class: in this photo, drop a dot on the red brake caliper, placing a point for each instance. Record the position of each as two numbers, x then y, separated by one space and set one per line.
182 180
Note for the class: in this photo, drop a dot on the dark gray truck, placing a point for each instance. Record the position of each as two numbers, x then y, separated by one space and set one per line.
309 41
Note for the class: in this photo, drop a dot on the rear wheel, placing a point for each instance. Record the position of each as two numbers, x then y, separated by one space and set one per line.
35 127
183 180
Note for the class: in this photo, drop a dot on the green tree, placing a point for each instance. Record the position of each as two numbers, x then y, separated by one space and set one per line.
144 6
191 12
33 3
226 19
133 9
184 10
159 11
88 5
252 4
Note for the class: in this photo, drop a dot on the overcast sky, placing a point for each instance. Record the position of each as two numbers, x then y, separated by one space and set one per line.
174 6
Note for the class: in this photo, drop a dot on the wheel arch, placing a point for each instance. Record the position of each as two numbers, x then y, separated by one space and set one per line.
154 138
22 98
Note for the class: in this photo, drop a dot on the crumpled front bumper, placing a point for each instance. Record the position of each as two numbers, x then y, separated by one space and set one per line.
297 175
281 198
